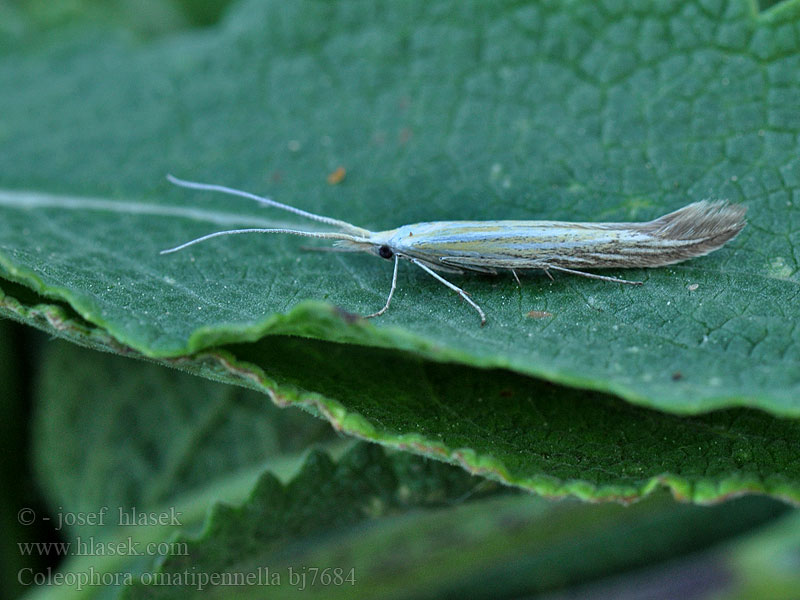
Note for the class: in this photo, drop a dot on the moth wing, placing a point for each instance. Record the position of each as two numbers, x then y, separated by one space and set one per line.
490 265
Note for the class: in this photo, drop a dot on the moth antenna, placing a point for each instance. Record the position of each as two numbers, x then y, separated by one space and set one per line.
323 235
212 187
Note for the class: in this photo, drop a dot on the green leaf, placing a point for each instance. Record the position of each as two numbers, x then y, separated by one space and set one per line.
514 429
123 435
175 438
141 17
119 439
182 445
765 563
504 547
451 110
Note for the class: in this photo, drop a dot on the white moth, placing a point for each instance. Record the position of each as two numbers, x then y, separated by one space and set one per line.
485 246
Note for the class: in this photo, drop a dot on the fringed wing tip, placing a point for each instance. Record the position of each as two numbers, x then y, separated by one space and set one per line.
708 219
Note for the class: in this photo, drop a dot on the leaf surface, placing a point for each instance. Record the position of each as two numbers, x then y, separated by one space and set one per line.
239 499
568 111
520 431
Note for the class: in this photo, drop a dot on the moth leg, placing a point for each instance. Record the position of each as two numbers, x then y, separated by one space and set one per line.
455 288
514 273
592 275
547 272
391 291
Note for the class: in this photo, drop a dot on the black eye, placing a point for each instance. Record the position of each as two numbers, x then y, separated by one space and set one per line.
385 252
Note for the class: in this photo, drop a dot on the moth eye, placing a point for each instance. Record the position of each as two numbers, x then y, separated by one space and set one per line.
385 252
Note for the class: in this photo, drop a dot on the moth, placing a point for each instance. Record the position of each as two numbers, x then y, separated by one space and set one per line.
488 246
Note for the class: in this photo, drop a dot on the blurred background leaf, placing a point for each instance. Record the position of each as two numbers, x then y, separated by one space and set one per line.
132 436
